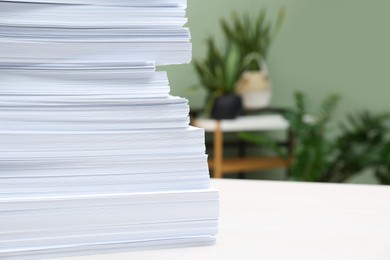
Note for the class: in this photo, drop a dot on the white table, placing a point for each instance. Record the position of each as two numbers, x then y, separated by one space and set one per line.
219 165
244 123
293 221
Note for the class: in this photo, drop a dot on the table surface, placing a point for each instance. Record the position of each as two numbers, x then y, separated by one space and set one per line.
245 123
294 221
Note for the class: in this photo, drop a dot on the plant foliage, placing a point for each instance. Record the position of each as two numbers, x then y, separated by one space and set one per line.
360 146
362 143
247 42
382 168
254 36
219 71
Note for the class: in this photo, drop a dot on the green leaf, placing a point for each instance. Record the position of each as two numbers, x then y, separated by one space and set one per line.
232 66
279 21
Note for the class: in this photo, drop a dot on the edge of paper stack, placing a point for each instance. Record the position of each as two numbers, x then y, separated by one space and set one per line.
95 155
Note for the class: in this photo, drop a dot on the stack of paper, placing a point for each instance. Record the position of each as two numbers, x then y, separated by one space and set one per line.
109 31
95 155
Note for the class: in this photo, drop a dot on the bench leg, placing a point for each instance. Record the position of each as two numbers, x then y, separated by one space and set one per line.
218 151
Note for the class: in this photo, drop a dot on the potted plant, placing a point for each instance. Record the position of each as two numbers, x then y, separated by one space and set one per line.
218 74
254 37
362 143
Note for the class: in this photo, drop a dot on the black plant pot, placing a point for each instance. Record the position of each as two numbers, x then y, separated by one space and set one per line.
226 107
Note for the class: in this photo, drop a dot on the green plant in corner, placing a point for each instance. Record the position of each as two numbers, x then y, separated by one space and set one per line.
219 71
362 143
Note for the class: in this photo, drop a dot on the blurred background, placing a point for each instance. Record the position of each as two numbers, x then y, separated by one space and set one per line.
322 48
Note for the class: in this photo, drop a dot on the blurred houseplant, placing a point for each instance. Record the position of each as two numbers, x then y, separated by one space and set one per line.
218 73
255 38
363 144
247 44
319 155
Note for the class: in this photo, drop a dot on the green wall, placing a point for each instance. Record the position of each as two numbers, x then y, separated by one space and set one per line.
332 46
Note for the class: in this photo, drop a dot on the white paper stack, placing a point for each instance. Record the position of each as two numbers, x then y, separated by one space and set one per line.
95 155
109 31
